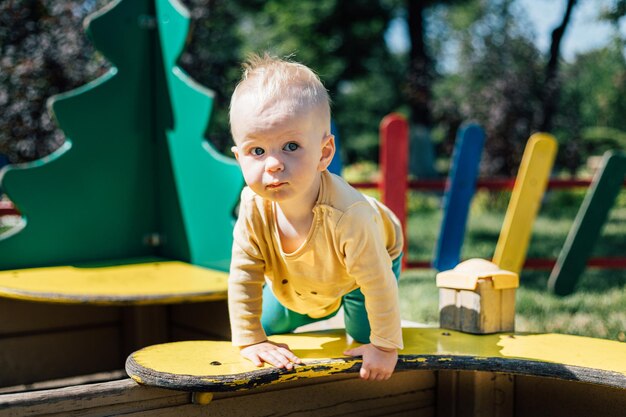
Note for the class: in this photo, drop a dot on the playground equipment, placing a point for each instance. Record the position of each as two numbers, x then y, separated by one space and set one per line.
445 373
394 134
63 319
144 169
476 296
442 373
134 211
460 189
528 191
530 185
585 231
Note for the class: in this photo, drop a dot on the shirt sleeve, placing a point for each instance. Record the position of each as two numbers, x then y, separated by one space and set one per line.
369 263
246 279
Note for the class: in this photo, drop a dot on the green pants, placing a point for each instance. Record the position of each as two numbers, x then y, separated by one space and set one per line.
278 319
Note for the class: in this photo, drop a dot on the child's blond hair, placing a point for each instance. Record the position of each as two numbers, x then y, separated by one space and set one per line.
271 79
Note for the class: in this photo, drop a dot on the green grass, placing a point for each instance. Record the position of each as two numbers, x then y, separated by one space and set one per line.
598 306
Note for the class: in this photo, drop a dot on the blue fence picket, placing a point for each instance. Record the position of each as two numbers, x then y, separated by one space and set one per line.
460 190
336 164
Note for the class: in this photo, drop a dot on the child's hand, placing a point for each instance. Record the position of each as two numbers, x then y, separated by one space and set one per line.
277 354
378 363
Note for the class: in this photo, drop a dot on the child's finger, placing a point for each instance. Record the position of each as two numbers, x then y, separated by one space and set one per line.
290 355
256 360
364 372
276 359
353 352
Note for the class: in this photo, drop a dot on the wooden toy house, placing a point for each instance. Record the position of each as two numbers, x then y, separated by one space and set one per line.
477 297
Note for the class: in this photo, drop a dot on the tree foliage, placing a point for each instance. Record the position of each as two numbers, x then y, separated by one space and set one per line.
469 60
497 81
552 84
344 43
592 105
212 57
43 52
421 71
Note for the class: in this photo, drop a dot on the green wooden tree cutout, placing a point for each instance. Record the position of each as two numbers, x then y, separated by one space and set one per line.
202 175
135 165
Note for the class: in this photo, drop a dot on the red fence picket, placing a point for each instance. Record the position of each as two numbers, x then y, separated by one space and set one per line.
393 158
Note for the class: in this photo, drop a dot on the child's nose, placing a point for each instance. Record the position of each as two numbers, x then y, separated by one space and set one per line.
273 164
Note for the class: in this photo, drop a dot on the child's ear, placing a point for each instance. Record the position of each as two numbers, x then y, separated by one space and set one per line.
328 151
235 151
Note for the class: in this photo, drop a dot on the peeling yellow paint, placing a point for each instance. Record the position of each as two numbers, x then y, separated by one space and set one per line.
412 360
202 398
305 370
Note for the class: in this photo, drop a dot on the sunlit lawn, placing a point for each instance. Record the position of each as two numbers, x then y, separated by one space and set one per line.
597 308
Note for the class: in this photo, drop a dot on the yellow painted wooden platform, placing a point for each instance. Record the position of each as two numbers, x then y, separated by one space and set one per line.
161 282
217 366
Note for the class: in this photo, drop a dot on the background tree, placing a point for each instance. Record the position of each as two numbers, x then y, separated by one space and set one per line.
421 70
420 76
615 12
344 43
496 80
44 52
551 84
212 57
592 106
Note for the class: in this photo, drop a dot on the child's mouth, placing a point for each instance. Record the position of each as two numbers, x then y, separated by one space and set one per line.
275 186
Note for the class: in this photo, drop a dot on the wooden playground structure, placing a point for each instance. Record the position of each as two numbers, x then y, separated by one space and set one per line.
118 306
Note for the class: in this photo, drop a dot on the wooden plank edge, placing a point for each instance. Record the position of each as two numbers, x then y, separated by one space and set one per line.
320 368
110 300
83 397
66 382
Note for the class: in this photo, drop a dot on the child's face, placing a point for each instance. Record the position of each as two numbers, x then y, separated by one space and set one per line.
281 153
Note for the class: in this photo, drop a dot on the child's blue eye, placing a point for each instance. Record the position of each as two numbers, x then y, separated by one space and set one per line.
257 151
291 146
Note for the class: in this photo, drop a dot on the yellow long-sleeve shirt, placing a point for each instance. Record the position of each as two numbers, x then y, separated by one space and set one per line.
351 244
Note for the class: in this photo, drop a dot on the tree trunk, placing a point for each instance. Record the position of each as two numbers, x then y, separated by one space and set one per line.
551 85
419 77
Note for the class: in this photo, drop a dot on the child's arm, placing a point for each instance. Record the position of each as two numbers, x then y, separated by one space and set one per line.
378 362
277 354
367 260
246 278
245 292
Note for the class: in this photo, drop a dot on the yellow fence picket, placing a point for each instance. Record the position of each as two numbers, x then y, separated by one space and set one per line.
530 186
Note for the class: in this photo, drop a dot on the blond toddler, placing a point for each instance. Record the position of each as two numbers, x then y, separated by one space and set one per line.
305 242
